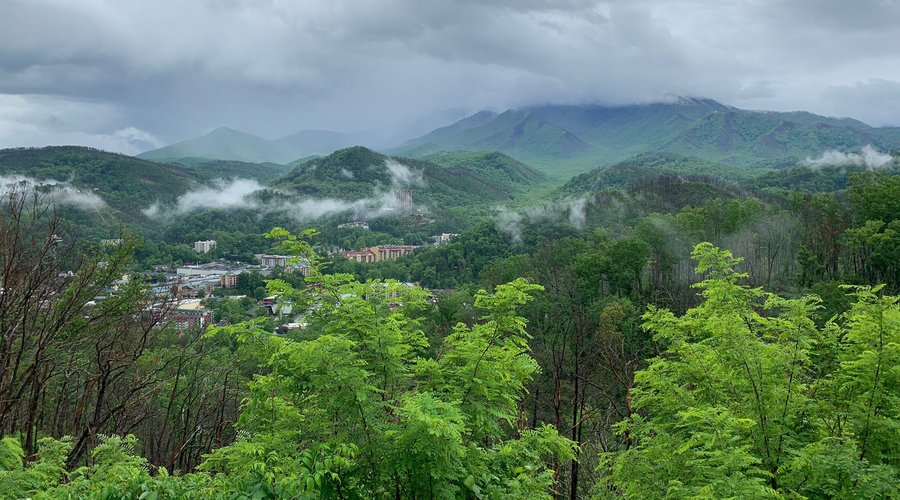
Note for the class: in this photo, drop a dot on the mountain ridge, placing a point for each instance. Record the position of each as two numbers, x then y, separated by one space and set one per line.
224 143
697 127
566 140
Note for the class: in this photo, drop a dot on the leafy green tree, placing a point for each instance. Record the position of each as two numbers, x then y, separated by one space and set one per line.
875 196
749 399
359 410
250 284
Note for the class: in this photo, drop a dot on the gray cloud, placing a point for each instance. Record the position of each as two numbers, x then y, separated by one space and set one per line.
53 192
219 195
241 194
511 221
401 175
120 74
868 157
39 120
881 99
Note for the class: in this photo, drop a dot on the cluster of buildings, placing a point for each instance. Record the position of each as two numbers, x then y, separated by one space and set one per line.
379 253
189 314
181 292
190 279
382 253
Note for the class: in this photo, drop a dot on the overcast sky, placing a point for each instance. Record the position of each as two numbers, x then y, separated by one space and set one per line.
126 75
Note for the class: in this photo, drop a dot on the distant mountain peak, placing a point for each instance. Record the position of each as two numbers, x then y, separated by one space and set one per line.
219 130
224 143
228 132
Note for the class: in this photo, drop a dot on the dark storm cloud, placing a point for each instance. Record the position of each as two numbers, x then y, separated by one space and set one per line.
130 74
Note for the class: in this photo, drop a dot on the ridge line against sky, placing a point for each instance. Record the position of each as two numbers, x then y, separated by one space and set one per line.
131 75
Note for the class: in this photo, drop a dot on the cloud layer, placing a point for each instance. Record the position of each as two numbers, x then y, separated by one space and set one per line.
244 194
54 192
120 74
511 222
868 157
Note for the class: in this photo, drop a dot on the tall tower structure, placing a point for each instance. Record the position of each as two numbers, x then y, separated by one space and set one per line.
404 200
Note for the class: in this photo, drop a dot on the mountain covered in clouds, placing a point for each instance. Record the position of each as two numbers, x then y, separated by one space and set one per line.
228 144
558 137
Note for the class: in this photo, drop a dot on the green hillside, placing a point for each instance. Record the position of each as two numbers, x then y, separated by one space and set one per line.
122 181
650 165
664 193
467 185
808 180
490 165
126 185
358 172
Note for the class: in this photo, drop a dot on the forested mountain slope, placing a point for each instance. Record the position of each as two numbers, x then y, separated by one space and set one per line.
649 165
490 165
562 139
122 181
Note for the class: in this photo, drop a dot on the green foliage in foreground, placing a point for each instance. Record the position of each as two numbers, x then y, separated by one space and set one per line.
361 407
749 399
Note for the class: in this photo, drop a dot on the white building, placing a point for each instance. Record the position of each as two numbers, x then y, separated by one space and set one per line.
204 246
287 261
443 238
273 260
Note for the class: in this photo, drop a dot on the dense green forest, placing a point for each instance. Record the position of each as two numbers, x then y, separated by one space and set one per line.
664 326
